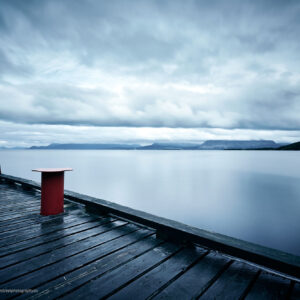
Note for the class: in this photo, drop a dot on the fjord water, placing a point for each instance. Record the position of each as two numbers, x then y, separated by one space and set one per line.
251 195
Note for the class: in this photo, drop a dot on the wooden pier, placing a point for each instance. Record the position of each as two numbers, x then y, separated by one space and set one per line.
99 250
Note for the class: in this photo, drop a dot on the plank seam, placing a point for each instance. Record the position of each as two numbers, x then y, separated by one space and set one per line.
34 255
38 221
38 236
21 216
141 274
250 285
55 239
214 279
290 290
26 218
12 207
75 255
91 262
18 276
70 220
155 293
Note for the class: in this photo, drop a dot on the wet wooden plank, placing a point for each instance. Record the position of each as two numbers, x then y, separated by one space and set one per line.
78 232
233 283
16 200
29 218
24 201
17 210
295 293
66 232
35 210
21 208
43 230
77 278
13 196
124 274
40 228
146 285
77 261
28 223
12 218
98 236
197 279
18 207
269 286
36 219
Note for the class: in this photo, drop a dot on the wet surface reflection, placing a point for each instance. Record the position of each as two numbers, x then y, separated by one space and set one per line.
252 195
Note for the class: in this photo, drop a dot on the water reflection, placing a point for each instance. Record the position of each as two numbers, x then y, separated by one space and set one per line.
252 195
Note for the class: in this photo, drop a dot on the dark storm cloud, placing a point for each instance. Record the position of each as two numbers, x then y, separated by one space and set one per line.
213 64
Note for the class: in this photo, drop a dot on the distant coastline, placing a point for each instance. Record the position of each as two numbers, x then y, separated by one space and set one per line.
207 145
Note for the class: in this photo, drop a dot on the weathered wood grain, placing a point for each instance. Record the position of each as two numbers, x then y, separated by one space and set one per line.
269 286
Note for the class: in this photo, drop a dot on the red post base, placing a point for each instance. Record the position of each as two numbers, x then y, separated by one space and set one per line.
52 201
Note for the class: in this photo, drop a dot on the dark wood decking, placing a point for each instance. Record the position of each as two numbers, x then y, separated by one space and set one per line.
79 255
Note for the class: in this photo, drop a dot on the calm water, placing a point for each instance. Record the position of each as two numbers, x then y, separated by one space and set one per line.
252 195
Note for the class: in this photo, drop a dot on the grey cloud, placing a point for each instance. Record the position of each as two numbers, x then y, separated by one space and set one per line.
133 32
145 60
7 67
265 107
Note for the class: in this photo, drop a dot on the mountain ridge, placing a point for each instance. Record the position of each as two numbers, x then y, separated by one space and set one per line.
207 145
293 146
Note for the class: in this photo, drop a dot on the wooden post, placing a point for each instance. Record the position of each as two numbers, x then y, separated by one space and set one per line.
52 198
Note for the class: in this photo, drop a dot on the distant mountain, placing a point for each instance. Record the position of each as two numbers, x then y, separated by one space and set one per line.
215 145
170 146
154 146
293 146
88 146
236 144
208 145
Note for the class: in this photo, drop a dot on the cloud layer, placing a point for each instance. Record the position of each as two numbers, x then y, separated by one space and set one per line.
231 65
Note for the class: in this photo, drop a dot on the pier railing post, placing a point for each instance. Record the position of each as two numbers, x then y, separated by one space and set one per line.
52 191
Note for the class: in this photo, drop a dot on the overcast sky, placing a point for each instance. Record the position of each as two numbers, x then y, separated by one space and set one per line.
139 71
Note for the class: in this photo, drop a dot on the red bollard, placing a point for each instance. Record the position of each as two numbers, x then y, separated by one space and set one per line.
52 199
